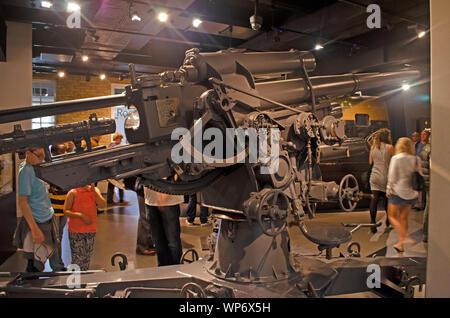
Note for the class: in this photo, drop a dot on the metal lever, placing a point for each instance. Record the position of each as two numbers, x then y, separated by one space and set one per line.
132 75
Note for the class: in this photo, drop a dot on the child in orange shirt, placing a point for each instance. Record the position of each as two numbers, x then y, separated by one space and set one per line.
81 208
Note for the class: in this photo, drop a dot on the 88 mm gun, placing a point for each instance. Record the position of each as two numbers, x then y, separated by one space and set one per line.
216 93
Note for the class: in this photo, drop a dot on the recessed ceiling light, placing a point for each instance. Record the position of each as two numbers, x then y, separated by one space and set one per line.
163 16
318 47
61 74
102 76
196 22
46 4
421 34
84 58
73 6
406 87
135 17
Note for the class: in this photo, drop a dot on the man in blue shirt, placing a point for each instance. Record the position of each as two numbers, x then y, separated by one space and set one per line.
36 232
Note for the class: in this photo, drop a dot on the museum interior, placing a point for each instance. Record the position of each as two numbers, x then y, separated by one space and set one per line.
224 148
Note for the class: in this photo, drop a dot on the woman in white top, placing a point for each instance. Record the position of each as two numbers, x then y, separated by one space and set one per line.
399 188
380 156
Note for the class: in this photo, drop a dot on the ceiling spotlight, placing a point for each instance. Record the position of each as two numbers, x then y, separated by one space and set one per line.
196 22
73 6
102 76
84 58
256 20
406 87
163 16
136 17
318 47
46 4
421 34
61 74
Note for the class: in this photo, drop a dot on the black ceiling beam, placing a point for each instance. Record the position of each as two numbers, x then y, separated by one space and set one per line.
27 15
220 41
237 13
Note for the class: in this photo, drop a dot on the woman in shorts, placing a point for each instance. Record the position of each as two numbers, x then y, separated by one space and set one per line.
399 189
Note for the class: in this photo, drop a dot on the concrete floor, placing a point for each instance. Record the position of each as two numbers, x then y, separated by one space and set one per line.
117 229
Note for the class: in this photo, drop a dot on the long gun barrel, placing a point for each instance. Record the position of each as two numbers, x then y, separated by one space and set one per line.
296 91
51 109
19 140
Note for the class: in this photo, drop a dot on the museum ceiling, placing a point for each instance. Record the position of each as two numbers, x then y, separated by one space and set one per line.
114 33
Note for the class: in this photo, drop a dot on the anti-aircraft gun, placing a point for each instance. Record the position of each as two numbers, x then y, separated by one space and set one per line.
279 123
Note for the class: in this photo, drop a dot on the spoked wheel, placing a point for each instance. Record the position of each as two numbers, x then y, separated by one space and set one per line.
348 193
192 290
194 256
273 211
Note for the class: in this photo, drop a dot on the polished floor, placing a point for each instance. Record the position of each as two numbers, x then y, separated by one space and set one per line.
117 228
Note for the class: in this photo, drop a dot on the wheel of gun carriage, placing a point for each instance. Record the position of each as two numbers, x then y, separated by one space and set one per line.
273 211
192 290
348 193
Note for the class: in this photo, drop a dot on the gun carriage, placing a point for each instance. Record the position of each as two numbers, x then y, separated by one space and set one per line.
294 117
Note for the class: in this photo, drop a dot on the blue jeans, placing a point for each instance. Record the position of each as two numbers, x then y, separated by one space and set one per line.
192 210
165 228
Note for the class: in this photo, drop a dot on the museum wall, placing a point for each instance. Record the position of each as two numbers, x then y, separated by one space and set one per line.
75 87
16 69
438 269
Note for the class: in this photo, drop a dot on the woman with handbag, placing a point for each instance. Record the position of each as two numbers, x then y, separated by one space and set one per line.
403 168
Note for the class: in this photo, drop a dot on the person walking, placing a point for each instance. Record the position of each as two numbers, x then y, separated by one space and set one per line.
380 156
399 189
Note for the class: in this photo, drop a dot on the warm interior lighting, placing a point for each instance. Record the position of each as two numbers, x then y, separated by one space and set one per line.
61 74
421 34
318 47
46 4
135 17
406 87
73 6
84 58
163 16
102 76
196 22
